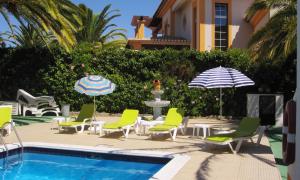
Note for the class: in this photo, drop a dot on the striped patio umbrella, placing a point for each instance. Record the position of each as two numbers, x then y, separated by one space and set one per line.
220 77
94 86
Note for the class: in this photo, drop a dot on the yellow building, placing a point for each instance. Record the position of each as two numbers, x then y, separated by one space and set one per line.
199 24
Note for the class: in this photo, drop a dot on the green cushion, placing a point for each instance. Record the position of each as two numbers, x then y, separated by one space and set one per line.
129 117
112 126
220 137
162 127
5 115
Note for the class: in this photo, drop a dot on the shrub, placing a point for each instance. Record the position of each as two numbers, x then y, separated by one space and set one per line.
54 73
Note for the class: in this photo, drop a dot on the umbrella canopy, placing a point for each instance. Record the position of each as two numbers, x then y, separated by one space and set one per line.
94 86
221 77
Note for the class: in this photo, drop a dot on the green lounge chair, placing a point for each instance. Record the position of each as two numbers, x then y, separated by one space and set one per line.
172 122
246 130
85 115
127 120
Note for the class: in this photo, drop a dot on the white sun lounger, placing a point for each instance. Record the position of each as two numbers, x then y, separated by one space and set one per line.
36 105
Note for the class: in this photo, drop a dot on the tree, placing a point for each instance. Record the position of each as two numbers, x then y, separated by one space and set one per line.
28 36
98 29
60 17
277 39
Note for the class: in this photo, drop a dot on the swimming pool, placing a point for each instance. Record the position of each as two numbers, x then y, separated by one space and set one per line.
45 163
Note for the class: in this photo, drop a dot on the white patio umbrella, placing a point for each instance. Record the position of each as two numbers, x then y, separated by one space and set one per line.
220 77
94 86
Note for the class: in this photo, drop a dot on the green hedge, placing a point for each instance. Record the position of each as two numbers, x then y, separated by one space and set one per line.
41 72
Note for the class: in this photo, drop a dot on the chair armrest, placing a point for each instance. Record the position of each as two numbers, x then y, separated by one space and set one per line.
86 120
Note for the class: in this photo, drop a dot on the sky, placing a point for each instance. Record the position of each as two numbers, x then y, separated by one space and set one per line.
128 8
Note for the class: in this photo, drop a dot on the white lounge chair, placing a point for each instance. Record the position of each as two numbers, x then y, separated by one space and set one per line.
36 105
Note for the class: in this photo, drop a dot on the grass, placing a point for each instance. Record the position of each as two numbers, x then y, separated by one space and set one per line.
26 120
275 138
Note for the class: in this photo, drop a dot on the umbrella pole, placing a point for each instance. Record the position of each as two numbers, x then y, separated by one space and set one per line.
94 109
221 103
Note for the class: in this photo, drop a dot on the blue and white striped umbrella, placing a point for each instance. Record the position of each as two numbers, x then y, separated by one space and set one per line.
94 86
220 77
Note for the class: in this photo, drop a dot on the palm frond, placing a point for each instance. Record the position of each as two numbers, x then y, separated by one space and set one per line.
277 39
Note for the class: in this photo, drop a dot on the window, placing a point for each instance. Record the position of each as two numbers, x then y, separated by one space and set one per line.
221 26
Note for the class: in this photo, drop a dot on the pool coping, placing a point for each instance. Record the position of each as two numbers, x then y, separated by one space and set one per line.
168 171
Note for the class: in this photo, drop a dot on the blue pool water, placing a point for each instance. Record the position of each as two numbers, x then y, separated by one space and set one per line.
44 164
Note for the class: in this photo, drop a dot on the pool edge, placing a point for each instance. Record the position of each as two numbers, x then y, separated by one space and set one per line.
168 171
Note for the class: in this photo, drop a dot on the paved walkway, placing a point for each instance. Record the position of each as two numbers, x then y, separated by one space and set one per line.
207 162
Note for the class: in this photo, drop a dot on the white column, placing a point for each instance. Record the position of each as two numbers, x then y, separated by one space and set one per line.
294 168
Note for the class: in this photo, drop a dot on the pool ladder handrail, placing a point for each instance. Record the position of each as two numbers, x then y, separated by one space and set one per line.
6 148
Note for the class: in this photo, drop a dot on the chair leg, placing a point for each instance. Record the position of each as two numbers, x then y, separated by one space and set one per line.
238 146
126 133
204 132
19 109
24 111
261 133
193 131
231 148
137 129
182 131
174 134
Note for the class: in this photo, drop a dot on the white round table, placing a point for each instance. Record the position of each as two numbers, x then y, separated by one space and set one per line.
97 126
205 128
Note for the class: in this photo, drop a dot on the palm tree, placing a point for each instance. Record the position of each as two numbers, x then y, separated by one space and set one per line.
98 28
60 17
29 36
277 39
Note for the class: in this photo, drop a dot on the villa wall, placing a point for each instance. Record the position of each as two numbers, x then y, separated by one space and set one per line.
208 27
166 21
241 30
183 21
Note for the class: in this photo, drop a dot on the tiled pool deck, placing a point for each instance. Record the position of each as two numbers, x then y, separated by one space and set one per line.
206 162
